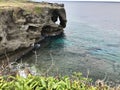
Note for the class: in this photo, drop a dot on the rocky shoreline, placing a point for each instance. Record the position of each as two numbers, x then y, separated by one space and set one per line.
25 24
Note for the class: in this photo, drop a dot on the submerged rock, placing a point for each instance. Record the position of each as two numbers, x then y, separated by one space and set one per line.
27 23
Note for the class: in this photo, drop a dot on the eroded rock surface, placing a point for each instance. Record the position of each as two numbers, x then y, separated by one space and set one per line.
22 26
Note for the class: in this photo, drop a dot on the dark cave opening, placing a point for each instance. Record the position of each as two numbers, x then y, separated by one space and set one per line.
0 38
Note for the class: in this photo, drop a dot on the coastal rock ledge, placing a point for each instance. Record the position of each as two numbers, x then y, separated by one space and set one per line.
24 24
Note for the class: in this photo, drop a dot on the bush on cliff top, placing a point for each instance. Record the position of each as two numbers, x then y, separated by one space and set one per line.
76 82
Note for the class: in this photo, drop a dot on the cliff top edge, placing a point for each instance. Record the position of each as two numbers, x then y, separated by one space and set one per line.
4 5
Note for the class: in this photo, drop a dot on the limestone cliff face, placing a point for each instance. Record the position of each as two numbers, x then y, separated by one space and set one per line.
22 26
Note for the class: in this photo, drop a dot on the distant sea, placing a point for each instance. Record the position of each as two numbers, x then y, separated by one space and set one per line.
91 43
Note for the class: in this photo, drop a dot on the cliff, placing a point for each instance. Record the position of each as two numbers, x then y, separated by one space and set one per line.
24 24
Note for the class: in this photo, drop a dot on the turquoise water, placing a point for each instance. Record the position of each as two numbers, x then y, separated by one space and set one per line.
91 42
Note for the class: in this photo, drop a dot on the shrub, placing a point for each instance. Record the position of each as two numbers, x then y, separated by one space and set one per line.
37 10
75 82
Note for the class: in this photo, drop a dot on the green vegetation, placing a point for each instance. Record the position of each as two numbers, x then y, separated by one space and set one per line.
75 82
30 7
13 0
37 10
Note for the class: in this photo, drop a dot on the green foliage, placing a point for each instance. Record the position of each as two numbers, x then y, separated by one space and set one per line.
76 82
37 10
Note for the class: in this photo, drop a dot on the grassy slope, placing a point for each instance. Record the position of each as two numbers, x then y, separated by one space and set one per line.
28 5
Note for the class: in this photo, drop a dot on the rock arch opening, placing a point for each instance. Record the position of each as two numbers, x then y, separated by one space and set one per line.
55 17
59 17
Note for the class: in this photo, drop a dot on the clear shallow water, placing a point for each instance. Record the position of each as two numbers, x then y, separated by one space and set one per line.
91 42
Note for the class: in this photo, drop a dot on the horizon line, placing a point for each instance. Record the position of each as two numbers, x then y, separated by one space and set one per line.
77 0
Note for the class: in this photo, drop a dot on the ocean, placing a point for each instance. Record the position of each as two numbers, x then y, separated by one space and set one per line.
90 44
